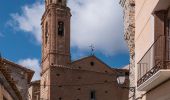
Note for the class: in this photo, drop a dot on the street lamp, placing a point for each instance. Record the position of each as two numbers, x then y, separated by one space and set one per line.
121 80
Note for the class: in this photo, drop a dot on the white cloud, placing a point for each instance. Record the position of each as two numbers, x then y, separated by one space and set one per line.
97 22
32 64
29 20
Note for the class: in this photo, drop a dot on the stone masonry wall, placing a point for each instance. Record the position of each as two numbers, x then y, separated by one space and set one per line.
129 35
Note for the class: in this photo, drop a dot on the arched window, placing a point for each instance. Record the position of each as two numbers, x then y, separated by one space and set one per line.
46 32
61 28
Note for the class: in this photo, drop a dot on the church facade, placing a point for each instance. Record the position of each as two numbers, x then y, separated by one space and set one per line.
61 79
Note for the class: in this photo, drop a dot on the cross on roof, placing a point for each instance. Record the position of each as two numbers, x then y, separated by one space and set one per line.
92 49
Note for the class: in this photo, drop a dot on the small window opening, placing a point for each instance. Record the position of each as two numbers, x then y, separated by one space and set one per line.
79 77
61 28
93 95
46 32
44 84
60 86
60 1
105 81
106 91
92 63
58 74
79 89
126 73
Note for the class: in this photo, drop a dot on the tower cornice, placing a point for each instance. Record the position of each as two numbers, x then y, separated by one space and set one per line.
56 7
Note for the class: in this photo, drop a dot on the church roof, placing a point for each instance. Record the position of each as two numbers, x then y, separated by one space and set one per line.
28 71
9 79
93 56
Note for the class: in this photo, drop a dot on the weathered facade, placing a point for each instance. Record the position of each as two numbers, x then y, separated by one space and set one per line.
34 90
8 89
152 57
129 35
152 51
21 77
85 79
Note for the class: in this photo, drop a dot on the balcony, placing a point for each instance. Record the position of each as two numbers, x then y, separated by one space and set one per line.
154 67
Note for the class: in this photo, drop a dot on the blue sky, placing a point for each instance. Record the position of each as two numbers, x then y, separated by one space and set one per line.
20 38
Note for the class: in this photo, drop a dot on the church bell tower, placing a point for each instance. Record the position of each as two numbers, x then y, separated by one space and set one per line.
56 34
55 40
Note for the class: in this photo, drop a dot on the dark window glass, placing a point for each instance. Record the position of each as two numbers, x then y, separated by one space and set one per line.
61 28
93 95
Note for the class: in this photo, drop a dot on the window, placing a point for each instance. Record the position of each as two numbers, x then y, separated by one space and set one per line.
58 74
126 73
92 63
59 1
106 91
46 32
61 28
44 84
93 95
79 77
79 89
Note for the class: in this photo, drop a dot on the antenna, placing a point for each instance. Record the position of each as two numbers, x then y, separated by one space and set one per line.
92 49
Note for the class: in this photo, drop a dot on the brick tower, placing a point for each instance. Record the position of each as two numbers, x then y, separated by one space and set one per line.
55 42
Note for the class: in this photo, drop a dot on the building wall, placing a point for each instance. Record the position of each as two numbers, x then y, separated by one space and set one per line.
63 80
129 35
77 85
34 90
77 81
44 85
6 88
4 94
144 34
159 93
144 38
20 77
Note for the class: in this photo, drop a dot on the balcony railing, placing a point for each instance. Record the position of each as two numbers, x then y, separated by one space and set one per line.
155 59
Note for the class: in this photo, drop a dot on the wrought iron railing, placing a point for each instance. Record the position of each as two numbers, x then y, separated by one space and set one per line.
156 58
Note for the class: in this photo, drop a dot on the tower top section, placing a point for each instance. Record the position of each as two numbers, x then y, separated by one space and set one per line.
58 2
